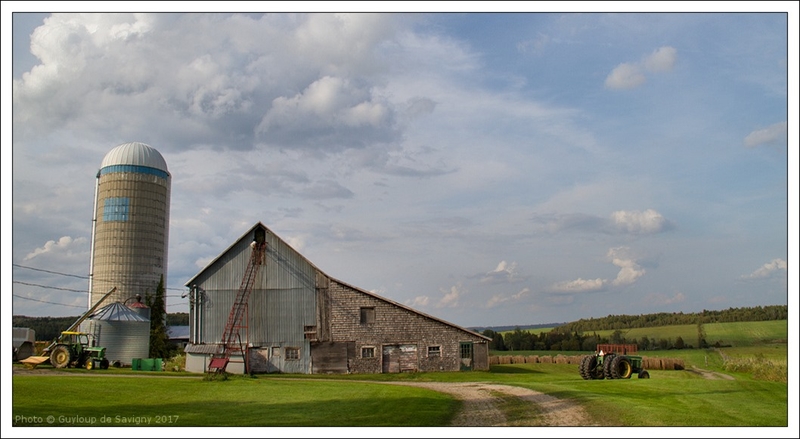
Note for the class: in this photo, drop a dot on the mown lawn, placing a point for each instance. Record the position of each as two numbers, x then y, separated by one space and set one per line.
114 400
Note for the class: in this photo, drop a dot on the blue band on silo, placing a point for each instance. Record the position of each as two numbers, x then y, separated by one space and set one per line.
135 169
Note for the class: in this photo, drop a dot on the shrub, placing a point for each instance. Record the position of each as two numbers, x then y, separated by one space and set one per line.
176 363
759 368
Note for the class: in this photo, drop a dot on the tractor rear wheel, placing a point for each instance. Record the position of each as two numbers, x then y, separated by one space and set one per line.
60 357
607 360
89 363
587 367
621 368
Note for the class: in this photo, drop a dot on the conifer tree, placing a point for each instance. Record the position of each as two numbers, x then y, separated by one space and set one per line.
159 340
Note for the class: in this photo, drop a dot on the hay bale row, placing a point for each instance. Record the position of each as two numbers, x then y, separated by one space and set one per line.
663 363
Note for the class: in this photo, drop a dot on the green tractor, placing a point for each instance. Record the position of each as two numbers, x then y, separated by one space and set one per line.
72 349
612 361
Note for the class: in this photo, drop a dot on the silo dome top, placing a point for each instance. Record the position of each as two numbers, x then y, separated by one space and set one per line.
117 312
137 154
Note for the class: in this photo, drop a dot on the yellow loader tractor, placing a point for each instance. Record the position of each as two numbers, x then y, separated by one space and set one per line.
72 349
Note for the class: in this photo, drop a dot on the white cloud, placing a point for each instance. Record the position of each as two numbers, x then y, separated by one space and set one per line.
636 222
328 111
625 75
419 301
772 135
495 300
504 272
451 297
500 298
629 272
632 222
580 285
631 75
629 269
767 270
65 246
661 60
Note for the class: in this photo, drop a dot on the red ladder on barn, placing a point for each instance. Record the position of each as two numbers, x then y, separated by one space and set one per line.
237 319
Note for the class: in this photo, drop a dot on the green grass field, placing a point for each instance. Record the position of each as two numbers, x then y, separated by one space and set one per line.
92 400
668 399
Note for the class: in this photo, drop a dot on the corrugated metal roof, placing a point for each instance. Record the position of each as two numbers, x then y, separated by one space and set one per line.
178 332
212 349
117 312
135 153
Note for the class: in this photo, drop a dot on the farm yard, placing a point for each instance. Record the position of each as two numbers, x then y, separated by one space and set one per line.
509 395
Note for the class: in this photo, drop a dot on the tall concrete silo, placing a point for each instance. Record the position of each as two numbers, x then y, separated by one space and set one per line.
130 224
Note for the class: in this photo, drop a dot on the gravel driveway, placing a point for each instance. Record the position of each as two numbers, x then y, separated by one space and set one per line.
482 406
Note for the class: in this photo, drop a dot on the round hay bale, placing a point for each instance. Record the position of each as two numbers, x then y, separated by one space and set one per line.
518 359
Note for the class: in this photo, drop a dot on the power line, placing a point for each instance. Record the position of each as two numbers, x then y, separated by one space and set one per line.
44 301
51 272
130 284
72 306
45 286
70 289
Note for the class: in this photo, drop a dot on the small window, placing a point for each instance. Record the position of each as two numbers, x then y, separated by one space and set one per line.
367 315
368 352
292 354
276 351
434 351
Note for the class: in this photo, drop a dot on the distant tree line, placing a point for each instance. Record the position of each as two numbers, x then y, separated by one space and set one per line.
754 314
576 336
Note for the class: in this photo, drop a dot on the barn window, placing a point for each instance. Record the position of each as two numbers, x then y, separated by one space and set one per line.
434 351
292 353
310 332
276 351
367 315
368 352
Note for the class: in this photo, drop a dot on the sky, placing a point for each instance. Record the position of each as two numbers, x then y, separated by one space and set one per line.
489 169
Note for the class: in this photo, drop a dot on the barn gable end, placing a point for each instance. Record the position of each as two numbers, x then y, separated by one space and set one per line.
300 320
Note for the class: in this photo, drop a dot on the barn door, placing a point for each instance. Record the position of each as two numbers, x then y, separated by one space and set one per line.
400 358
466 355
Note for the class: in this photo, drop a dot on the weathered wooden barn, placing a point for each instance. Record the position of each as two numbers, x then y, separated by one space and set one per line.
297 319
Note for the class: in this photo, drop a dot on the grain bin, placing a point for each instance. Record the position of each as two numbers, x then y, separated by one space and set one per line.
124 333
